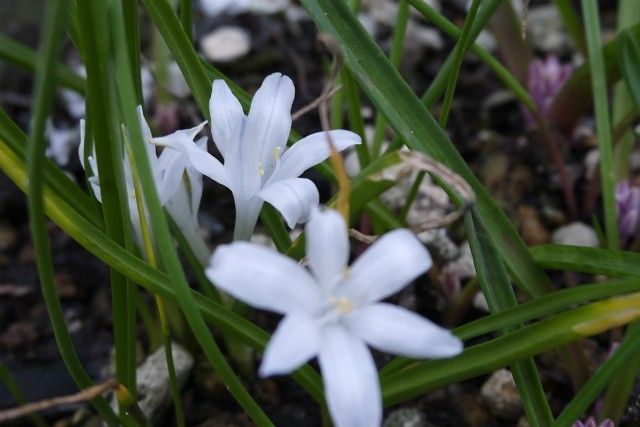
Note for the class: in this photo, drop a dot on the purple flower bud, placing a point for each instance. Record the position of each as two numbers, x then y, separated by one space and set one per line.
628 206
545 80
591 422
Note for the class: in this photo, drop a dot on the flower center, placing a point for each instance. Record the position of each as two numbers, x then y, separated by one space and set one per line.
342 305
260 168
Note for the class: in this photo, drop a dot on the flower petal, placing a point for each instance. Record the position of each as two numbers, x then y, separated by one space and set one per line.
398 331
171 163
263 278
311 150
268 124
293 198
226 116
389 265
296 340
350 378
327 247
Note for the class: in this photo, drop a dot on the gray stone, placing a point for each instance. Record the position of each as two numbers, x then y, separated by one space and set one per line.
500 394
225 44
406 417
576 233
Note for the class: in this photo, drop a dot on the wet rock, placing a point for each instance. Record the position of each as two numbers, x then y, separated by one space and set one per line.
225 44
576 233
406 417
499 392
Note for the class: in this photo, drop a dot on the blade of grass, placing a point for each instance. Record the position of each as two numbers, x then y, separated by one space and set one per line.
496 287
458 54
395 56
22 56
102 119
533 339
130 10
16 392
97 242
550 303
587 260
43 99
625 354
412 121
572 23
166 249
603 127
68 190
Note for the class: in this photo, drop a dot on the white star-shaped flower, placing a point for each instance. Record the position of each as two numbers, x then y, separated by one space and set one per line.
333 311
178 183
258 166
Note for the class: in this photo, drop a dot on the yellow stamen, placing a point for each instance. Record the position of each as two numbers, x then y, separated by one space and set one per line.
343 305
260 169
276 153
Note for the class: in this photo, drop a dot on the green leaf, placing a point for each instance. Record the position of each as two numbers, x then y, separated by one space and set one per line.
496 288
587 260
630 63
413 122
575 98
486 357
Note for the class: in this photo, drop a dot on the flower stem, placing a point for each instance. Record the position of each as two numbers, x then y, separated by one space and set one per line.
162 311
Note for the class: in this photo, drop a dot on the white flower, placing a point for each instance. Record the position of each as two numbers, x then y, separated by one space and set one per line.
179 192
61 142
334 311
258 166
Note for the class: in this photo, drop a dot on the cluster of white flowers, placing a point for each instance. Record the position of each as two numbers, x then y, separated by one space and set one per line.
331 310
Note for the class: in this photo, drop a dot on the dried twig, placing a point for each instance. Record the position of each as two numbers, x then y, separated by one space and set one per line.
82 396
325 96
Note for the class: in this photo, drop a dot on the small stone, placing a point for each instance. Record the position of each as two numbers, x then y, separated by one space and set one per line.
8 236
545 30
501 395
152 378
225 44
213 8
480 302
530 227
576 233
406 417
424 36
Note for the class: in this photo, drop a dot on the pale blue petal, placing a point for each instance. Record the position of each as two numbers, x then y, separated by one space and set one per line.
293 198
263 278
350 377
327 247
296 340
387 266
398 331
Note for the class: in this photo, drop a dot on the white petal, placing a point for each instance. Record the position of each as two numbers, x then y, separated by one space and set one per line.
171 165
398 331
144 126
226 116
268 124
311 150
263 278
179 207
327 247
350 378
293 198
296 340
389 265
